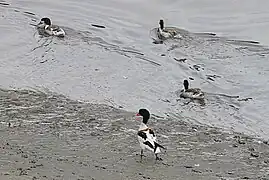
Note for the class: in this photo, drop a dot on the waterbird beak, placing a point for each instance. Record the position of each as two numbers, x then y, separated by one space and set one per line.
138 117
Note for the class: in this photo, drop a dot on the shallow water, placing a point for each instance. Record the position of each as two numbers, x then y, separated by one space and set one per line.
120 66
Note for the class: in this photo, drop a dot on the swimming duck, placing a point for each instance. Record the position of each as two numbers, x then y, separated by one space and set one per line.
146 136
52 30
192 93
164 33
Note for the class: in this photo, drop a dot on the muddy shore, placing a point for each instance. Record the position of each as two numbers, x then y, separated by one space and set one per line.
48 136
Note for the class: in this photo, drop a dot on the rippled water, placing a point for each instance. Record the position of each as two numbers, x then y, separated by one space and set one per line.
120 66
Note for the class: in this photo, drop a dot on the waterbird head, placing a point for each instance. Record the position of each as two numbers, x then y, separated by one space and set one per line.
161 24
44 22
145 114
186 84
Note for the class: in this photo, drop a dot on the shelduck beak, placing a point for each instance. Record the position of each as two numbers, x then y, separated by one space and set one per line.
39 23
138 117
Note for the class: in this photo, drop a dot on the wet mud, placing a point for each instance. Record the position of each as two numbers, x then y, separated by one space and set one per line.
49 136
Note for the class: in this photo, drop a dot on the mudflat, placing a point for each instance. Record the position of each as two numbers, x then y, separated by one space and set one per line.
48 136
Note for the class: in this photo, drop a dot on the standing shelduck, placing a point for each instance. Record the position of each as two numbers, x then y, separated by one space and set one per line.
146 137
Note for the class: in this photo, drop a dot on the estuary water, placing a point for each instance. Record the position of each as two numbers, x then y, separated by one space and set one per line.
224 51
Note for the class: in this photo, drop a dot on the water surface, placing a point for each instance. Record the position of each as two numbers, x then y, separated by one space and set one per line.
120 66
